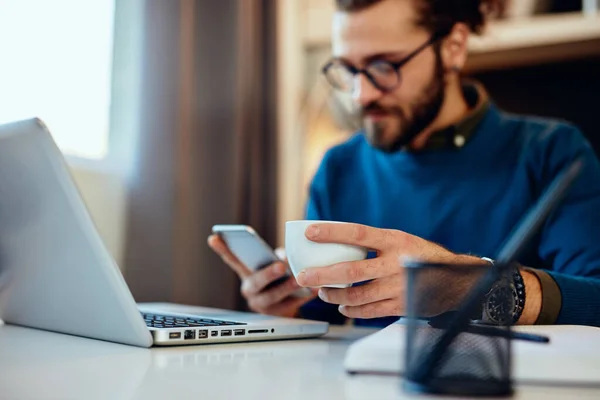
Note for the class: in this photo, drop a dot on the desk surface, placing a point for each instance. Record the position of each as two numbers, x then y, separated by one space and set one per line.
42 365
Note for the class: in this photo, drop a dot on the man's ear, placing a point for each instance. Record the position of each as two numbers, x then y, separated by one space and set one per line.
454 48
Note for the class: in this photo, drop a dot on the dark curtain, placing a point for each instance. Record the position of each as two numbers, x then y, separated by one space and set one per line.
206 148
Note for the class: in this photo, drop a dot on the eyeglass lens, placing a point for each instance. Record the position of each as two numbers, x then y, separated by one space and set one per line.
381 73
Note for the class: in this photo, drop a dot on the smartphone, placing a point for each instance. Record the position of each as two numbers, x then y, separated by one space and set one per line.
246 245
251 249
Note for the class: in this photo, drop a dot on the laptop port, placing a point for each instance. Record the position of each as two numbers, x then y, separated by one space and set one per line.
239 332
203 334
214 333
189 334
251 331
175 335
226 333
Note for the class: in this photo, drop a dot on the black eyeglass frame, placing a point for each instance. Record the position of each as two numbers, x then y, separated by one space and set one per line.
395 65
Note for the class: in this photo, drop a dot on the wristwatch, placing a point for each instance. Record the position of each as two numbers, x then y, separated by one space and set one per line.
504 302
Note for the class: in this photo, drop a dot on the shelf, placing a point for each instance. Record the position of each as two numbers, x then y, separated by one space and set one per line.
536 40
506 43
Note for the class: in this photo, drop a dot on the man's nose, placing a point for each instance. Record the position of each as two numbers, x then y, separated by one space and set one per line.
363 91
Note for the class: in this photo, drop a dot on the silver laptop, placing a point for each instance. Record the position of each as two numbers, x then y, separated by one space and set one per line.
57 275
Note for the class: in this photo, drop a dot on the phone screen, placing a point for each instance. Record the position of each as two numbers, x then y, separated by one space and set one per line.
249 249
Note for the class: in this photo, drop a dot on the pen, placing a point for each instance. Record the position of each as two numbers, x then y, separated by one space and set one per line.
530 337
440 322
497 332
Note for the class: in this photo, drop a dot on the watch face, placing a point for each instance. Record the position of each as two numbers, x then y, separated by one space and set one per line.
501 304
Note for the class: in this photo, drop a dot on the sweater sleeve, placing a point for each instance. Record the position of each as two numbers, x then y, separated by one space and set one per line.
570 241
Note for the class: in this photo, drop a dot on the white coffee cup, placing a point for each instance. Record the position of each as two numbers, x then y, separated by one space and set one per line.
303 253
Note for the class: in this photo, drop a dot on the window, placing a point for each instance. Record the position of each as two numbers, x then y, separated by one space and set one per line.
56 64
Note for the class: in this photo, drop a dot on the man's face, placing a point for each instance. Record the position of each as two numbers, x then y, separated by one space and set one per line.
387 31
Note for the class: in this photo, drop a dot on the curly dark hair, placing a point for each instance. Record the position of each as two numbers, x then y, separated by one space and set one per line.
440 15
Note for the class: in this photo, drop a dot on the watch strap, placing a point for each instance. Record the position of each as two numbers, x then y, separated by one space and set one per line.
551 297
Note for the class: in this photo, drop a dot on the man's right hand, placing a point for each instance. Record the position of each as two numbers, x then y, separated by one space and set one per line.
276 300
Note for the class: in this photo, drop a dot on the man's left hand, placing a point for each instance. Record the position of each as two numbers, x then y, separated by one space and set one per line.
383 295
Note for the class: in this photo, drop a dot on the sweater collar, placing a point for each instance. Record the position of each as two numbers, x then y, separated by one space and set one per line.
457 135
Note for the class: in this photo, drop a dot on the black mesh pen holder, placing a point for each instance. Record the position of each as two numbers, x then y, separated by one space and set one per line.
448 350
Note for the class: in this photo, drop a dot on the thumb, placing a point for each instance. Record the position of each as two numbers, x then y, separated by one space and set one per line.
280 253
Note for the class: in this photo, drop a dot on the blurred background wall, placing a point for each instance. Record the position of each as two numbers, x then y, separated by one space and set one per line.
179 114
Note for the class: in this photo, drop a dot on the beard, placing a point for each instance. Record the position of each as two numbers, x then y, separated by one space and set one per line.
424 110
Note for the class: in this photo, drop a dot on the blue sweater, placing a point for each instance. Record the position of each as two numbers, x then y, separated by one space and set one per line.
469 200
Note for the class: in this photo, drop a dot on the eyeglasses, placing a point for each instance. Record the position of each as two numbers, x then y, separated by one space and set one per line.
384 75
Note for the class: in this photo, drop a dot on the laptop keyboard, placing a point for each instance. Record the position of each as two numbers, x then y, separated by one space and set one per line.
168 321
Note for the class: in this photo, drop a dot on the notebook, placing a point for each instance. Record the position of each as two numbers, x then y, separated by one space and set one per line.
571 358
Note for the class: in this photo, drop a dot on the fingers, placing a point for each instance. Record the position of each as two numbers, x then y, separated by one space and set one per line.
354 234
383 308
255 283
218 245
290 306
377 290
269 298
379 298
348 272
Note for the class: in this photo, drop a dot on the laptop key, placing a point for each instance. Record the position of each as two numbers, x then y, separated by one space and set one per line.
170 321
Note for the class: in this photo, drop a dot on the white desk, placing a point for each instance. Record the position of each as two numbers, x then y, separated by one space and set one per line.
43 365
